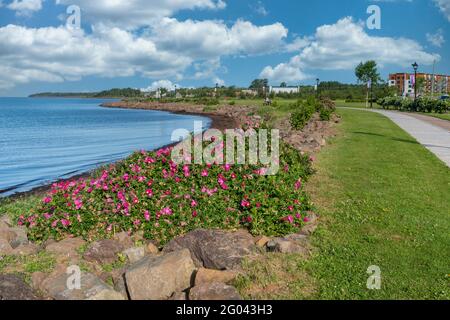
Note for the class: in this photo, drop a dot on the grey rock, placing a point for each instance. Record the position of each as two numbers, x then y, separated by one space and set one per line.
21 237
5 248
25 250
124 239
103 251
215 249
286 246
67 248
92 288
159 277
214 291
134 254
14 288
178 296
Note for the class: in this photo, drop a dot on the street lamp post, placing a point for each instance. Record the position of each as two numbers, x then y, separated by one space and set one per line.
415 66
175 91
217 90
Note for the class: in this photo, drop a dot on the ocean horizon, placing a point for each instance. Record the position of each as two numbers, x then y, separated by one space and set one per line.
43 140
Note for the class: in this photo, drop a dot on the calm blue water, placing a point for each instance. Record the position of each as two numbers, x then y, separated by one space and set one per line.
43 140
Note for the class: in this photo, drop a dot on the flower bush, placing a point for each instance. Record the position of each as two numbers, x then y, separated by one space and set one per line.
150 193
423 104
306 109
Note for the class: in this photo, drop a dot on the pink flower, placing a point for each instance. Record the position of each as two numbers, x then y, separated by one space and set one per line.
227 167
149 193
47 216
291 208
298 184
147 215
166 211
306 219
137 222
193 203
290 219
204 173
186 171
78 204
194 213
65 222
55 223
47 199
126 177
245 203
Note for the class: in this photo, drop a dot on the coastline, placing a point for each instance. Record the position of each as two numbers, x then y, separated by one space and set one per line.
218 121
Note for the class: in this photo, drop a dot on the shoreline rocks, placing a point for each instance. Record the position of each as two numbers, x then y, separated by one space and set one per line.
159 277
215 249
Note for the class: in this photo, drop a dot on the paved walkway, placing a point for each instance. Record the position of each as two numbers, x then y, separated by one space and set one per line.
430 132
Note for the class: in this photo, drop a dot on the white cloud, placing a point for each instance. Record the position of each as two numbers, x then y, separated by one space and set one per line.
57 54
444 5
210 39
25 7
166 84
343 45
284 72
436 39
297 44
137 13
260 9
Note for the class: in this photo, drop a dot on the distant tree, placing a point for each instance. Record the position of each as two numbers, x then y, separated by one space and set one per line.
259 84
283 85
367 72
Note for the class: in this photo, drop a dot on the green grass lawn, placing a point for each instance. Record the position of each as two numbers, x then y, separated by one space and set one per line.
384 200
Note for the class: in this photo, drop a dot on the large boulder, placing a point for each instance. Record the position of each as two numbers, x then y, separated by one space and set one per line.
214 291
159 277
207 275
91 287
215 249
134 254
103 251
21 237
25 250
286 245
14 288
5 247
65 249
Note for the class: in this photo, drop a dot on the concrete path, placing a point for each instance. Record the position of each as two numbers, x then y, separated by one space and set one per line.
430 132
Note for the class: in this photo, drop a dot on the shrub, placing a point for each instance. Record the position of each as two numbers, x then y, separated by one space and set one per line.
232 103
148 192
301 117
423 104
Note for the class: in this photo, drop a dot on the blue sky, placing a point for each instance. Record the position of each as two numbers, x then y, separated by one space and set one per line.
150 43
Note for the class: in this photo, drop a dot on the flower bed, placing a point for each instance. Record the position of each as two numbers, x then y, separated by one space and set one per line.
148 192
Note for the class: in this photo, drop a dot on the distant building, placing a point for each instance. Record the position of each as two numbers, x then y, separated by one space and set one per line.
404 82
249 92
288 89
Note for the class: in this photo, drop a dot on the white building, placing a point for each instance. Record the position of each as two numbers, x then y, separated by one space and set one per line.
290 89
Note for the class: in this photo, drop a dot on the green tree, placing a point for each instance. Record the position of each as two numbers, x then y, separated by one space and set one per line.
368 72
283 85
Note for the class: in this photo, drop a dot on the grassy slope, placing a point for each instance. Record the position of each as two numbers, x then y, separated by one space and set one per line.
384 200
